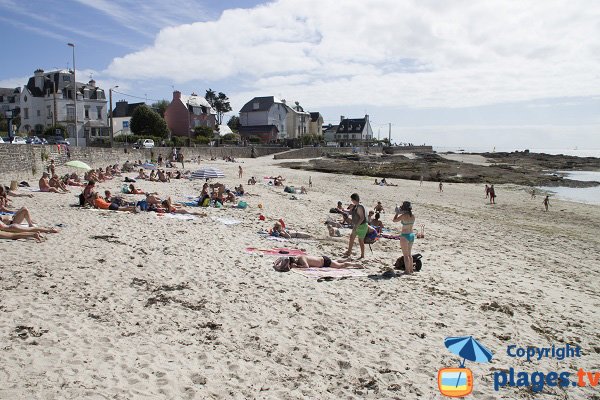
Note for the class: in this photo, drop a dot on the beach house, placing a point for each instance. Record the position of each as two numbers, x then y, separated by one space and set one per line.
315 125
122 117
188 112
48 99
353 131
265 118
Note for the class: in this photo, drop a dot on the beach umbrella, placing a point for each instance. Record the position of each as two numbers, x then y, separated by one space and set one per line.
207 173
469 349
78 164
149 166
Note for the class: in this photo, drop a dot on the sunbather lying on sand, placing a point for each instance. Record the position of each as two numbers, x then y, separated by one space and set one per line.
102 204
16 228
279 231
18 217
22 235
168 206
320 262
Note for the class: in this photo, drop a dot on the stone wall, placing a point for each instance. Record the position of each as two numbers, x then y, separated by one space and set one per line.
315 152
24 162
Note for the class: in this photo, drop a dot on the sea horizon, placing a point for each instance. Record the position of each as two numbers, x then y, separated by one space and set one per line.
491 149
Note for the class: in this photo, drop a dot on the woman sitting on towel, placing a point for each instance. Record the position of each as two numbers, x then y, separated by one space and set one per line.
141 174
320 262
279 231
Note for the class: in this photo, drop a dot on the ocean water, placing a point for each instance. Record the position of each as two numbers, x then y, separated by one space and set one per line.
589 195
567 152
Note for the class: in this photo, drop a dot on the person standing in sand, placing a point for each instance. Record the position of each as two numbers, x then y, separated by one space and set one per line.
532 193
492 195
405 216
240 172
360 228
441 187
487 191
546 202
310 181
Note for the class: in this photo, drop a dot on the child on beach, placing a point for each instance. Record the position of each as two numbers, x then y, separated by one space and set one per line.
546 202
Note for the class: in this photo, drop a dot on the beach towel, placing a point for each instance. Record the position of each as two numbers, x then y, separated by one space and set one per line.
333 273
276 251
393 237
226 221
190 203
184 217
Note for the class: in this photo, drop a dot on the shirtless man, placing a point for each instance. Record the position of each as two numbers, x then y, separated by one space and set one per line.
320 262
57 184
45 185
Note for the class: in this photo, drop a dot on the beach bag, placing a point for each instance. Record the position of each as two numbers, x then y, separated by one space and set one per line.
125 189
14 185
81 200
282 264
242 204
416 260
371 237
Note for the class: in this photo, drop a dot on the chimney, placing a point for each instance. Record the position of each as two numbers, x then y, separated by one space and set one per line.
39 78
366 119
283 101
92 83
342 118
176 95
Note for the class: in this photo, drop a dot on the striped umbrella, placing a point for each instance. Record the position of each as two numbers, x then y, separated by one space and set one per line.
149 166
207 173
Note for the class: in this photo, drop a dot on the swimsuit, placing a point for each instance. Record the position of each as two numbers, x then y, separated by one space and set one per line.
408 236
326 262
362 230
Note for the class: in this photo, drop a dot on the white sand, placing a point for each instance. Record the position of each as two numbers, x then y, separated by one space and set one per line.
167 308
467 158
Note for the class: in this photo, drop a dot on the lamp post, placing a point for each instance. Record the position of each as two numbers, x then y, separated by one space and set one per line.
74 94
112 132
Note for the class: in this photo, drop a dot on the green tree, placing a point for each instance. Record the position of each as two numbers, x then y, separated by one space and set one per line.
145 121
219 102
204 131
161 106
234 123
51 130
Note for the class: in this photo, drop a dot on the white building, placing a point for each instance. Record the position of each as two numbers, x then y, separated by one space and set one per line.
265 117
354 131
297 121
47 99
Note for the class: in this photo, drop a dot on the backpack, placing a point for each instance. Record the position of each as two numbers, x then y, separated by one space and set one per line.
416 260
282 264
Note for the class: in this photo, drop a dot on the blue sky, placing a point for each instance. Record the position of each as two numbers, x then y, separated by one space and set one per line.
504 73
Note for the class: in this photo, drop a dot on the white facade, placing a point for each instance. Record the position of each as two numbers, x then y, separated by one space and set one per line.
47 99
275 115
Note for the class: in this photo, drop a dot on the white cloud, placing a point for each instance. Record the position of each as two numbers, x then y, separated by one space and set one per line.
416 53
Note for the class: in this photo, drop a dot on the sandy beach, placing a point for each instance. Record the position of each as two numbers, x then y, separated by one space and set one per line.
124 306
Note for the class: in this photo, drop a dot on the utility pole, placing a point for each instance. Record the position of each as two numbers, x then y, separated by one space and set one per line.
112 132
74 94
390 135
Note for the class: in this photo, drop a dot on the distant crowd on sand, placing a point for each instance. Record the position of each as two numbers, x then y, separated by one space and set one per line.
366 227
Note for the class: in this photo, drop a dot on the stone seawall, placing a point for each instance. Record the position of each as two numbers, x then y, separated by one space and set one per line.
24 162
315 152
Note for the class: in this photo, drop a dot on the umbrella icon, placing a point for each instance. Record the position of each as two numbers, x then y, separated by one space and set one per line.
469 349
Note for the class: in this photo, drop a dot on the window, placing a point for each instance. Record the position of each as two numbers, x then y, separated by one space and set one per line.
256 106
49 111
70 112
26 113
87 112
66 78
39 113
99 111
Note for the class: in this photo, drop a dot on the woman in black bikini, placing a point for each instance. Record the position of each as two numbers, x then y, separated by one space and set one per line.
320 262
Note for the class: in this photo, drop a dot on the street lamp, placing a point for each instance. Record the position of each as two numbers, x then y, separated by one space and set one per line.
112 132
74 94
